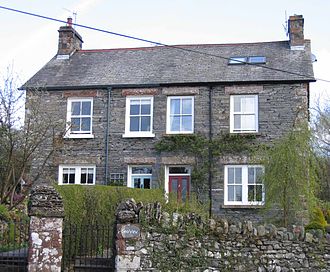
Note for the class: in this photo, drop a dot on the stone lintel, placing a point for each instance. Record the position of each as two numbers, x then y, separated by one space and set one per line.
137 92
243 89
140 160
178 160
80 93
180 91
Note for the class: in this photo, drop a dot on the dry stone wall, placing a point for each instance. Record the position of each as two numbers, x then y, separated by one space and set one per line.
170 242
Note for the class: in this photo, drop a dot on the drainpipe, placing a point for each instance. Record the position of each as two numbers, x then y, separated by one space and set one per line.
107 137
210 151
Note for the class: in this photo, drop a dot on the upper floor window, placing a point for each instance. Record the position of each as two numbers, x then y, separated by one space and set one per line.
139 115
180 114
79 117
243 185
243 113
75 174
139 177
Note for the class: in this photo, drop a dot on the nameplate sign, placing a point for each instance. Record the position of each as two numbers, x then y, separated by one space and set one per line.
130 231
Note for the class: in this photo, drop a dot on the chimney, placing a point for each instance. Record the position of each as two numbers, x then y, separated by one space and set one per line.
69 41
296 32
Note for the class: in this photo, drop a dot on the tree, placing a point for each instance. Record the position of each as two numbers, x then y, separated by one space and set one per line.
21 143
321 130
291 173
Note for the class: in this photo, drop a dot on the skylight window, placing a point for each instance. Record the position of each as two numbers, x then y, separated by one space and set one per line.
257 59
237 60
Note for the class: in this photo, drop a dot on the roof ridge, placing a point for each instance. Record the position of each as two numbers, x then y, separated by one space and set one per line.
179 45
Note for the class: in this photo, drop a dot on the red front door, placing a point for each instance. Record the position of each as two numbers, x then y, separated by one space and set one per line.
181 186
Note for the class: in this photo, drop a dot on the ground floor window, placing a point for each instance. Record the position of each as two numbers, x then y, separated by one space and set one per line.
243 185
139 177
77 174
178 179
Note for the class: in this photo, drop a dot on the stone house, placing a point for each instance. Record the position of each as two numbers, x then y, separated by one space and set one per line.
118 103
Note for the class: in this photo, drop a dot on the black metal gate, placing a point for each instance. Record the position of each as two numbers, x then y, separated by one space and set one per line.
87 247
14 237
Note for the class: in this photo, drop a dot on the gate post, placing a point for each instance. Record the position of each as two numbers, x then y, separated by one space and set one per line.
46 213
128 234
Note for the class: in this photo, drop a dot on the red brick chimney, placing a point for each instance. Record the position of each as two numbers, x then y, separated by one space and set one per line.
69 41
296 32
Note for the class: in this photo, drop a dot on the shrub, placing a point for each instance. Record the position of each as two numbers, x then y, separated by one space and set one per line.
4 213
317 216
314 225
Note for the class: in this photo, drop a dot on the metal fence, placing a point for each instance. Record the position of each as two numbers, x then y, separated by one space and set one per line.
87 247
14 238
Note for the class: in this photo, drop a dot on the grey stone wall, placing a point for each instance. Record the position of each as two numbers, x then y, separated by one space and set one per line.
279 105
175 242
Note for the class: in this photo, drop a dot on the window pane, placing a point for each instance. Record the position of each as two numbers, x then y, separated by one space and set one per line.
65 178
248 104
146 183
83 178
238 193
251 179
134 124
85 124
175 123
184 189
90 178
145 123
237 122
174 186
237 104
145 107
186 123
231 175
258 192
75 124
75 108
175 106
259 173
137 182
231 193
248 122
86 108
134 108
238 175
179 170
251 189
71 178
187 106
141 170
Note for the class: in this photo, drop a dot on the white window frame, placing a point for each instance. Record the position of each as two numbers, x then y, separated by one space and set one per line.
145 134
168 115
71 134
130 175
245 184
78 169
233 113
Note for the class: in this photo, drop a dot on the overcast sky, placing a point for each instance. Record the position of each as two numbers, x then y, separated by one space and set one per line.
28 42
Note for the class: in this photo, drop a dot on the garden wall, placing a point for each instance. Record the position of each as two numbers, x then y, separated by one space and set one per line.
164 242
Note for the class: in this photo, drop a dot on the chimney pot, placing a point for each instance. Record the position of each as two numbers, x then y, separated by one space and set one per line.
69 22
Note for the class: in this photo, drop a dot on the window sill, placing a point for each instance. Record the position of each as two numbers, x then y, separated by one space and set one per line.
242 206
179 132
79 136
138 135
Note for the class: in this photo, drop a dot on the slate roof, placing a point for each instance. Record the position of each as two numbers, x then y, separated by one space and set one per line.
168 65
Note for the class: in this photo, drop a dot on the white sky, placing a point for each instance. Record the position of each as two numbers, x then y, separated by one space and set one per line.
28 42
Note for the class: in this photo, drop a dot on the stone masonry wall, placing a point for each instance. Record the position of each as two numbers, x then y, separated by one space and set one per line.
279 105
188 243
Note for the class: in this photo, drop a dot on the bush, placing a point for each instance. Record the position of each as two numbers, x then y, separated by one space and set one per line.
314 226
4 213
317 216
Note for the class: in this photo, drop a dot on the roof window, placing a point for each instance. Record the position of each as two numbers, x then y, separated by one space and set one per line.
237 60
257 59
